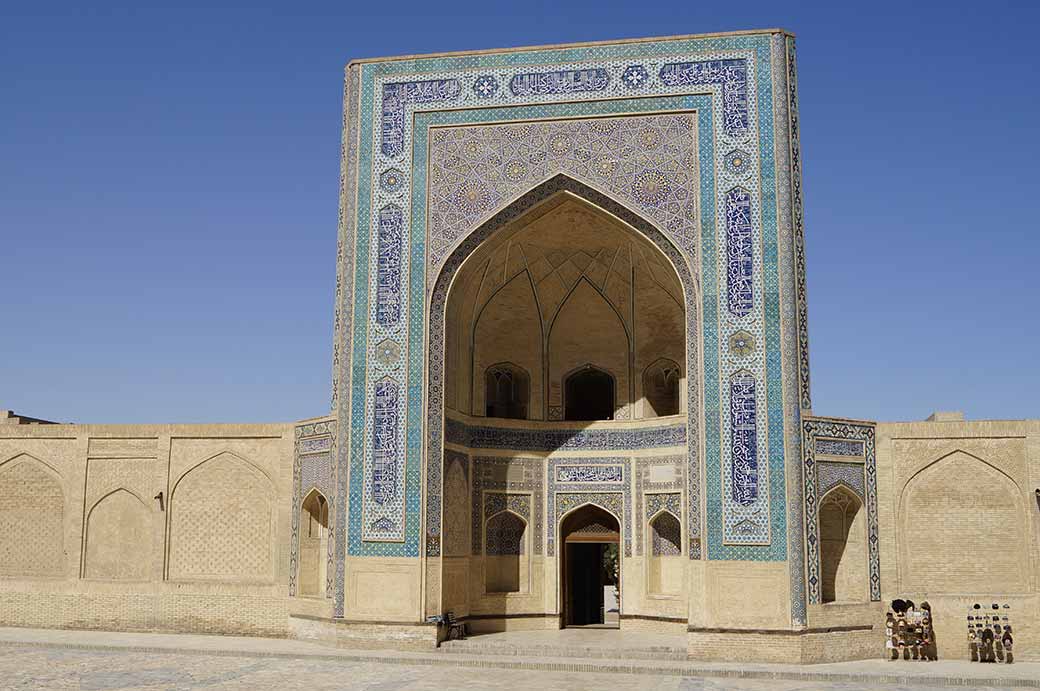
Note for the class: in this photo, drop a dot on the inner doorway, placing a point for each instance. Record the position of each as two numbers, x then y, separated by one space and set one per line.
591 569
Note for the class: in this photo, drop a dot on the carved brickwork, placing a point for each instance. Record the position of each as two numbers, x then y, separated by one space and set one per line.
221 522
32 509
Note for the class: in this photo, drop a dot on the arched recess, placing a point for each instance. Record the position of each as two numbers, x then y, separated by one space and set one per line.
505 553
664 566
961 503
222 522
507 330
448 351
314 544
588 337
32 510
843 547
662 381
507 391
457 540
120 539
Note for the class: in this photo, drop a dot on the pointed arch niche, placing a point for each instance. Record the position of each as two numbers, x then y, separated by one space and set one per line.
843 547
563 290
314 538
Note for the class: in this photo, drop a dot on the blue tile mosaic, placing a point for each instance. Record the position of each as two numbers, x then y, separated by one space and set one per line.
559 82
734 90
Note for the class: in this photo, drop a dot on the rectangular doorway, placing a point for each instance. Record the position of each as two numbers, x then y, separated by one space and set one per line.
591 584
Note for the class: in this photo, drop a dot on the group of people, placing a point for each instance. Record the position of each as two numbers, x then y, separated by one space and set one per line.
909 631
989 634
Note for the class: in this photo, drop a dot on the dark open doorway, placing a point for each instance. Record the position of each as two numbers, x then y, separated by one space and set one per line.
590 568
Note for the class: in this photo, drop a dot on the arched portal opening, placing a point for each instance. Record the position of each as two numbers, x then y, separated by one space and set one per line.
590 568
843 547
562 279
314 529
558 314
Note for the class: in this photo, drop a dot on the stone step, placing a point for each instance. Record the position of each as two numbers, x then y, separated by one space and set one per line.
474 646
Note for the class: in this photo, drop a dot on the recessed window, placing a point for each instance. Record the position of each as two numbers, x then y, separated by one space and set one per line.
507 391
589 395
661 388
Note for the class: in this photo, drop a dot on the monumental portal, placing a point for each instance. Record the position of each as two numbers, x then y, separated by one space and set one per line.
570 364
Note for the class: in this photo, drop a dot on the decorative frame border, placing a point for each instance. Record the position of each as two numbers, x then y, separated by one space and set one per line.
533 468
645 488
621 488
314 451
356 188
837 429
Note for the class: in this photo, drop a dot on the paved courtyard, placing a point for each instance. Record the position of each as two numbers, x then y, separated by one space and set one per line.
40 659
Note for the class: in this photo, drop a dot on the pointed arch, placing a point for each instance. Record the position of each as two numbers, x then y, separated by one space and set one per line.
569 517
665 531
221 518
446 274
661 380
962 514
843 546
314 541
119 538
505 552
32 518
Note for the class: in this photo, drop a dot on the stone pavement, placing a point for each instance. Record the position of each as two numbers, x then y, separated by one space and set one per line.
49 659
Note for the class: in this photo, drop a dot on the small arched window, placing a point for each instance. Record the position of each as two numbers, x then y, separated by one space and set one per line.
661 388
506 391
589 395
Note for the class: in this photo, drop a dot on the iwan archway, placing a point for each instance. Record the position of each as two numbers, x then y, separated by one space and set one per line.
562 315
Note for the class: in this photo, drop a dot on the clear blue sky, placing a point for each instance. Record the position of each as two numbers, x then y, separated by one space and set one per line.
168 192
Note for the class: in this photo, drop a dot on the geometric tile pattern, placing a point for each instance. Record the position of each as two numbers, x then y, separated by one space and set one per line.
488 437
820 476
503 529
657 502
797 211
666 540
789 325
648 486
348 442
616 494
726 80
830 475
649 161
510 483
505 535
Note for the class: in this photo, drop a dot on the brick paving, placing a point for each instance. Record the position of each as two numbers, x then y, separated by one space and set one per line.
46 659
